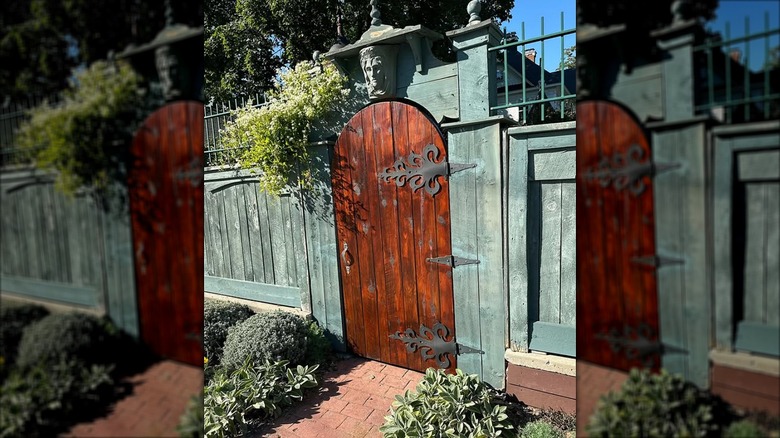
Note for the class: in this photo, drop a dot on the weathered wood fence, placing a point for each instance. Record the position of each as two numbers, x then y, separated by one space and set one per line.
65 249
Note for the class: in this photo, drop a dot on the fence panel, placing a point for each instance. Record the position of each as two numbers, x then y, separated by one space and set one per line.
254 243
542 238
65 249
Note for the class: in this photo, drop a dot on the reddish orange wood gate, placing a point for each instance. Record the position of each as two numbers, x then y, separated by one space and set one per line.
617 303
393 219
166 207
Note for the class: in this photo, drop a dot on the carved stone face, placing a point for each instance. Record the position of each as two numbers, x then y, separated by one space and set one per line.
378 64
169 72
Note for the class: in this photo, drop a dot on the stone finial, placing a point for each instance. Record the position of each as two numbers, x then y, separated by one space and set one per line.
376 16
341 40
473 8
168 13
315 57
679 9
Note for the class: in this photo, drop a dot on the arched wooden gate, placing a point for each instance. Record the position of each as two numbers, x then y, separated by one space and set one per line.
166 208
617 302
393 228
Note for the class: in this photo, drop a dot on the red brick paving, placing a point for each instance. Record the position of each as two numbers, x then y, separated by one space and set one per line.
352 402
153 409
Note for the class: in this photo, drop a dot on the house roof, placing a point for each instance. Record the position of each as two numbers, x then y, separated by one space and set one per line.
533 73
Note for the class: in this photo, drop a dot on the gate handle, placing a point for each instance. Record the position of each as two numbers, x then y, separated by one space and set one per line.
347 257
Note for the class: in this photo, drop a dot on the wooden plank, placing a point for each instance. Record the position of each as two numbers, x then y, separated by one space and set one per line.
758 337
332 285
758 165
698 299
265 236
487 142
298 239
721 217
407 266
424 240
550 254
517 264
772 258
389 267
347 230
255 248
568 255
277 239
463 210
233 232
208 244
289 246
314 254
754 300
86 296
542 380
379 121
263 292
443 245
555 165
244 215
668 208
554 338
223 253
363 252
549 141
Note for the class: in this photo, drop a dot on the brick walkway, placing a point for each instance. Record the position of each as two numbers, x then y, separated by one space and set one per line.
352 402
159 397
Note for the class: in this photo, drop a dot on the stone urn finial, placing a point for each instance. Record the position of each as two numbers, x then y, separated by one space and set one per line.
473 8
376 16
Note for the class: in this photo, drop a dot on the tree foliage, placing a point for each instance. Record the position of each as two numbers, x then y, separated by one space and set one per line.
41 41
247 40
276 135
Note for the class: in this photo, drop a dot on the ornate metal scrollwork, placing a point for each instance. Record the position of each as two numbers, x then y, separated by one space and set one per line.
637 343
626 170
421 170
432 343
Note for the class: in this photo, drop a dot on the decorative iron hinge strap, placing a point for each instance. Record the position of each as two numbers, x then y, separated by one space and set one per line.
626 170
432 344
638 343
452 261
421 170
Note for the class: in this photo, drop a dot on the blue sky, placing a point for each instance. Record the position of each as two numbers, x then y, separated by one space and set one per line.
531 13
732 11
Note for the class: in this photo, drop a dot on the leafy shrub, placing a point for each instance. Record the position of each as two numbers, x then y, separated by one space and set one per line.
218 317
743 429
235 399
85 137
317 345
447 405
277 134
14 320
540 429
67 335
44 399
191 421
653 405
269 336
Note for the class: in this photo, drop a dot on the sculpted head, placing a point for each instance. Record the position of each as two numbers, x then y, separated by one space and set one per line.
378 64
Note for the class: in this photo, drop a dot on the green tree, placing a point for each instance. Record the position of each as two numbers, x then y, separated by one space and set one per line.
247 40
569 58
41 41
